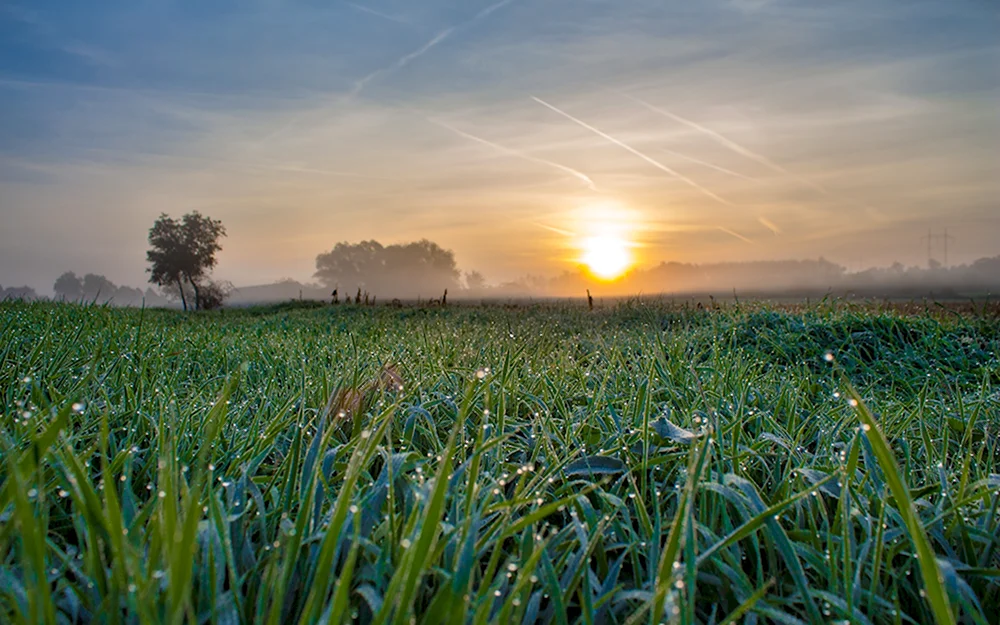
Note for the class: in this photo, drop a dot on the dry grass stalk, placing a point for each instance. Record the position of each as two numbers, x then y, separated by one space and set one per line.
349 403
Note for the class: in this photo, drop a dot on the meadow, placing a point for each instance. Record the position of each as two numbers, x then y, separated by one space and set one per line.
639 463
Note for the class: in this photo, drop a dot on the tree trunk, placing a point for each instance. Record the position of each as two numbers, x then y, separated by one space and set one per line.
180 287
197 294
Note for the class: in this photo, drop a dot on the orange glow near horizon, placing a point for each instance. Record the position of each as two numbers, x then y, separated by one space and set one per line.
607 257
605 239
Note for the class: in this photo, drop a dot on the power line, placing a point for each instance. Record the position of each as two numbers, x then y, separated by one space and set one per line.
930 237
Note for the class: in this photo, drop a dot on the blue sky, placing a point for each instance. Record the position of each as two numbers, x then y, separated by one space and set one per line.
717 130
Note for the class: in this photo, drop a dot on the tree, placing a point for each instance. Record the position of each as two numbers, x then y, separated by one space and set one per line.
97 286
474 281
68 287
404 270
183 252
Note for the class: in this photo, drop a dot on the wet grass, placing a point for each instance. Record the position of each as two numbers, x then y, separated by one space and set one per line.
642 463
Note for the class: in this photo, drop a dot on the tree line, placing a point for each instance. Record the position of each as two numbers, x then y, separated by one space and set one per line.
182 253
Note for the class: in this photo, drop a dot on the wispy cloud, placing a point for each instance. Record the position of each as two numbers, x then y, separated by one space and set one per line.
51 36
767 223
386 16
655 163
402 61
582 177
436 40
707 164
737 235
715 136
768 121
567 233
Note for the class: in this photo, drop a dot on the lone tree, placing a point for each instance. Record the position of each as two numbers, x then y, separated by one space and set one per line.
68 287
183 252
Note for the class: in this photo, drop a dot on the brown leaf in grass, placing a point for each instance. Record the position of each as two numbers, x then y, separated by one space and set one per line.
351 401
389 378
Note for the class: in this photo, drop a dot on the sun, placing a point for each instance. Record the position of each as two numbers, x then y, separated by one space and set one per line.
607 256
605 238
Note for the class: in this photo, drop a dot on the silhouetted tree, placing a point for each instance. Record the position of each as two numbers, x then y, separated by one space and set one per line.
184 252
98 287
212 294
68 287
405 270
474 281
18 293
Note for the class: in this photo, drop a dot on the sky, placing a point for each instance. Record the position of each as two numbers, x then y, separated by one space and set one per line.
509 131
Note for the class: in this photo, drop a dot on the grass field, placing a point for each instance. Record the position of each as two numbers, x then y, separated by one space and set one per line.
634 464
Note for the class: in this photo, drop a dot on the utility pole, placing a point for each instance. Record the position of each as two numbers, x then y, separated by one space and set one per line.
930 237
945 238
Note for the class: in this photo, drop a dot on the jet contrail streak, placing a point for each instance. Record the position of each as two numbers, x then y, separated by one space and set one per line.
582 177
634 151
402 62
556 230
371 11
736 234
729 143
707 164
767 223
422 50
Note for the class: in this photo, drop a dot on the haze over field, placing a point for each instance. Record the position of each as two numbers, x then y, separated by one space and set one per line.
527 136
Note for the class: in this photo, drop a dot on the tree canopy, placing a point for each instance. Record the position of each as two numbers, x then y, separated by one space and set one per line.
183 253
68 287
409 270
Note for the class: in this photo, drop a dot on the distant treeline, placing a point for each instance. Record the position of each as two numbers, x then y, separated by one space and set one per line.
777 277
90 289
422 271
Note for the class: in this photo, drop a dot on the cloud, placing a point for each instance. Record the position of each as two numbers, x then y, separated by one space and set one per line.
891 113
582 177
432 43
767 223
634 151
376 13
736 234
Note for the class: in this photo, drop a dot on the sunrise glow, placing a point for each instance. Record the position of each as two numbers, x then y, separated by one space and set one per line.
607 257
605 239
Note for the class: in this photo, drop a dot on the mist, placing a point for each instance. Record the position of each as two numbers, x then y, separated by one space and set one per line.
719 132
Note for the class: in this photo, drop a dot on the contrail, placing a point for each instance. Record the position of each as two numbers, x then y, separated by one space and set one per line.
556 230
767 223
402 62
729 143
422 50
582 177
371 11
707 164
737 235
634 151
